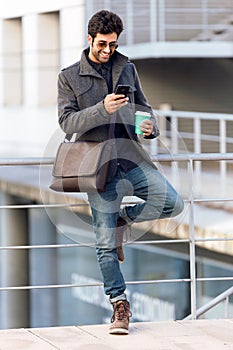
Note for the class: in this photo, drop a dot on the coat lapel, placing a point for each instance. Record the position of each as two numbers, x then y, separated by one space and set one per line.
119 62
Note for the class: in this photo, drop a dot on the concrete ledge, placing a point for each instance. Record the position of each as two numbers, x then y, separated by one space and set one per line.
173 335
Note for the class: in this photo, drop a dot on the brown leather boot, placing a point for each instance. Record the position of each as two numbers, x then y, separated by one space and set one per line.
120 318
121 228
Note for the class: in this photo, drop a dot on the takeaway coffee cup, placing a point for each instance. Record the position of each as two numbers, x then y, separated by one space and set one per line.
139 117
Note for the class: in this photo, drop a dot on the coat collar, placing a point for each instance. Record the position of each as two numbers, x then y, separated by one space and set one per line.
118 63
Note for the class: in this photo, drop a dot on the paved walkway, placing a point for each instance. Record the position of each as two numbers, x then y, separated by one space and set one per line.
173 335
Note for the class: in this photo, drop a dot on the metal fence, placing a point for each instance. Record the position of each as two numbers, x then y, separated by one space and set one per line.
191 239
168 20
197 133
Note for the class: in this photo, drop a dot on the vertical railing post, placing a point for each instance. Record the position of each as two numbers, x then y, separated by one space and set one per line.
197 149
222 149
153 20
193 283
14 269
43 270
226 307
129 23
161 18
205 17
174 148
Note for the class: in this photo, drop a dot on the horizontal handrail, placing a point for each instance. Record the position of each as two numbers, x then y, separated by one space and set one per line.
73 285
194 115
81 245
72 205
155 158
192 156
26 161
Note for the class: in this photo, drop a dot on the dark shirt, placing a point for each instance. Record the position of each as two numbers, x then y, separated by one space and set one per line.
127 156
105 70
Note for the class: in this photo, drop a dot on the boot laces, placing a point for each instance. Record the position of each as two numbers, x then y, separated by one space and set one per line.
121 311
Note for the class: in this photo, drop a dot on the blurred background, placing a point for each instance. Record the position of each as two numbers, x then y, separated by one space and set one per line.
183 51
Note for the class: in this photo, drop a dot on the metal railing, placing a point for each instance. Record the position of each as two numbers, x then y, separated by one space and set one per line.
161 20
219 299
191 239
198 133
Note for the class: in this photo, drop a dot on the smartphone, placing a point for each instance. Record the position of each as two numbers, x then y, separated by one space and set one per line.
122 90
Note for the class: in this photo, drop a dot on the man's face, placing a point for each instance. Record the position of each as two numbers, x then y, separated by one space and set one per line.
102 47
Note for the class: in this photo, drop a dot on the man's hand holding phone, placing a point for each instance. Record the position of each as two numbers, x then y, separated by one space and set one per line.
113 102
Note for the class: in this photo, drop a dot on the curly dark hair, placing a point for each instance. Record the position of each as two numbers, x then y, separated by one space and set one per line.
105 22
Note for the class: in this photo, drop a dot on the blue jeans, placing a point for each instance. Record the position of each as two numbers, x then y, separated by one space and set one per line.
160 200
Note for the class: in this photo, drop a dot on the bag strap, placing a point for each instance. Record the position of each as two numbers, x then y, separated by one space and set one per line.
68 137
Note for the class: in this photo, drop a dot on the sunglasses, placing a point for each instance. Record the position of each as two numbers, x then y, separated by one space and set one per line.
101 45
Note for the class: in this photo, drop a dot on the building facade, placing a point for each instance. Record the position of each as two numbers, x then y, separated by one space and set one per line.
182 49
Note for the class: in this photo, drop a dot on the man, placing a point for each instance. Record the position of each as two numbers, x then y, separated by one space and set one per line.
86 106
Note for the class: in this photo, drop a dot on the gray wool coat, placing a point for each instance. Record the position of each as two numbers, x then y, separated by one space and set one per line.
81 91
